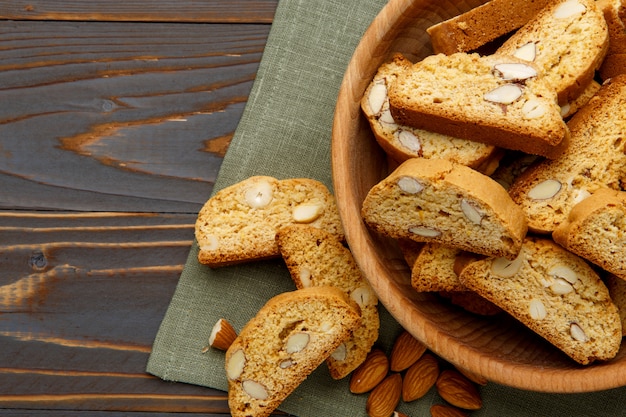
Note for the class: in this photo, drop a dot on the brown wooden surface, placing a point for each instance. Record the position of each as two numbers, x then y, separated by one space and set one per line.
114 118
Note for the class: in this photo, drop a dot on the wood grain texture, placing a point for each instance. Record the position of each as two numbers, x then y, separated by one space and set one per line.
114 119
141 11
120 116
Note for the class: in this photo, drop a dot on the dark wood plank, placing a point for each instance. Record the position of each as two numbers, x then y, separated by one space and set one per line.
81 300
140 10
120 116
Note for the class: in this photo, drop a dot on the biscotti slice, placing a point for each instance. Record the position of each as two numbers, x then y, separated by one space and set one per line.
554 293
403 142
596 159
567 41
483 24
433 269
315 258
239 223
436 270
290 336
434 200
496 99
596 230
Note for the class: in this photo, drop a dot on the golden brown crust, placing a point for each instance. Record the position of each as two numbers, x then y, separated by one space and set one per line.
569 49
596 159
557 295
451 95
595 230
450 204
402 142
483 24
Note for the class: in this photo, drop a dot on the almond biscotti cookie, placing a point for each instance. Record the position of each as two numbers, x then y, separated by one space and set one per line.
290 336
567 41
434 200
596 159
403 142
315 258
596 230
499 100
483 24
239 223
554 293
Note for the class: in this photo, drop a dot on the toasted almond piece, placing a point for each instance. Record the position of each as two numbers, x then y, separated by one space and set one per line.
441 410
222 335
235 365
504 94
405 352
545 190
527 52
458 390
259 194
255 389
420 378
383 399
370 373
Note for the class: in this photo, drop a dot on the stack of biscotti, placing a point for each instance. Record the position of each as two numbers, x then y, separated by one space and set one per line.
239 223
500 100
567 41
569 189
404 142
316 258
290 336
556 294
596 159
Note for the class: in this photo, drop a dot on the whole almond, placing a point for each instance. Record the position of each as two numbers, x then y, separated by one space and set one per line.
405 352
370 373
458 390
440 410
420 378
383 399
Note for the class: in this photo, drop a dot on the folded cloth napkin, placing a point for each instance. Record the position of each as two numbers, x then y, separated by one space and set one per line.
285 132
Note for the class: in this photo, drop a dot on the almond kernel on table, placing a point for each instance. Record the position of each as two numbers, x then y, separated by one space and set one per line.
383 399
222 335
420 378
405 352
370 373
458 390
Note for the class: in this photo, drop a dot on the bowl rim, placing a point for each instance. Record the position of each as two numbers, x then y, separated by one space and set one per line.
368 55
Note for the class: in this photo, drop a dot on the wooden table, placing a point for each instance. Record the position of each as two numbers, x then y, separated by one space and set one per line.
114 118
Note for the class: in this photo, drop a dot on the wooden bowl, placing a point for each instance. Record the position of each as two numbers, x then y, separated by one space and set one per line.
498 348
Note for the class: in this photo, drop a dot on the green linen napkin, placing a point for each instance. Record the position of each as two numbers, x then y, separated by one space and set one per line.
285 132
